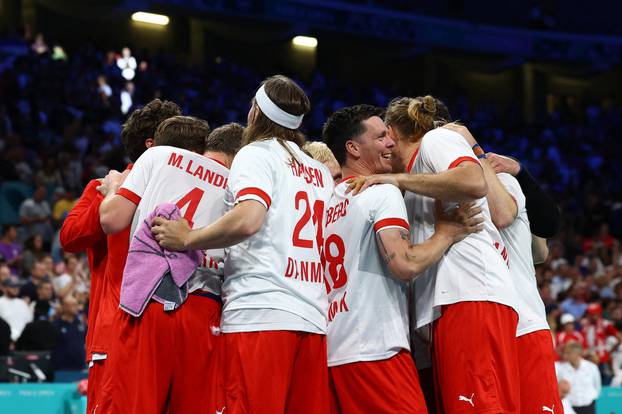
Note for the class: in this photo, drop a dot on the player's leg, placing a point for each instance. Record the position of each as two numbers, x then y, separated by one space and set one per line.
388 386
309 389
258 369
141 362
538 382
94 384
475 358
195 387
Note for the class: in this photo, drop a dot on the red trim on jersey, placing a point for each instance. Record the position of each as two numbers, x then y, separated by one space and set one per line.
346 179
129 166
390 222
255 191
218 161
130 195
412 159
460 160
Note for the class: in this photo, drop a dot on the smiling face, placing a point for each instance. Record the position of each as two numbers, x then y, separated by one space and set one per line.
374 147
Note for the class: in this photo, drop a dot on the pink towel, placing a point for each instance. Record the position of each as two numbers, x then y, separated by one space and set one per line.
153 272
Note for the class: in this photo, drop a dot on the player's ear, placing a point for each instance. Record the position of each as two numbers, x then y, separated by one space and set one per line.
149 143
352 147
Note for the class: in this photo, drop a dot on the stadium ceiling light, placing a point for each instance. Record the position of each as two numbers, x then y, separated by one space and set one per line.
152 18
305 41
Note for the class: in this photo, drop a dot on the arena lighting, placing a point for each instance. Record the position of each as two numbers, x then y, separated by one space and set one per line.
152 18
305 41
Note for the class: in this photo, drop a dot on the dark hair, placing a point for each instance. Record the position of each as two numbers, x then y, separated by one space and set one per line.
346 124
413 117
226 139
7 227
288 96
185 132
142 124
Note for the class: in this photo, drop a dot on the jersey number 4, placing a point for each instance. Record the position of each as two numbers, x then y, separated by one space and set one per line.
192 199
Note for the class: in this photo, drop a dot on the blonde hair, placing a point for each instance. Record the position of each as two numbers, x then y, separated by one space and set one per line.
320 152
413 117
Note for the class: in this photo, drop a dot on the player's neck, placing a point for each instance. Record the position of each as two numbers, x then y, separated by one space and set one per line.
220 157
355 169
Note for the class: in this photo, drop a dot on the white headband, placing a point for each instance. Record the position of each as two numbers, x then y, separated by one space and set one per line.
274 113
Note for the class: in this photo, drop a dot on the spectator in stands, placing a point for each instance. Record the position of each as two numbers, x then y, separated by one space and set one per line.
568 331
36 215
40 334
38 275
126 98
33 251
73 276
69 353
596 332
575 304
584 378
39 46
65 201
104 90
10 249
13 309
5 273
127 63
49 177
564 390
45 301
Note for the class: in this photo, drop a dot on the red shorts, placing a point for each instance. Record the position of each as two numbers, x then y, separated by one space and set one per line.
94 390
275 372
387 386
474 358
538 381
169 359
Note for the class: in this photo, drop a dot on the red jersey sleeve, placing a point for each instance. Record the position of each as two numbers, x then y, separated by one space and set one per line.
81 228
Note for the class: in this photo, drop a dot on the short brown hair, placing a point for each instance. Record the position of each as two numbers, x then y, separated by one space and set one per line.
142 124
413 117
185 132
226 139
288 96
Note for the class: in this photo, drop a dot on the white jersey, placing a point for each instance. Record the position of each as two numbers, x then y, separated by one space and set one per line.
196 184
474 269
517 239
274 280
368 307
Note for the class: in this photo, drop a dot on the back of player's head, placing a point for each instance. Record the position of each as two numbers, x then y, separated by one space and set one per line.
185 132
277 110
319 151
226 139
346 124
413 117
142 124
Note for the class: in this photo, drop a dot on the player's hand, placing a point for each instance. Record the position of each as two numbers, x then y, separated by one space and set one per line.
360 183
171 234
462 130
112 182
458 222
503 164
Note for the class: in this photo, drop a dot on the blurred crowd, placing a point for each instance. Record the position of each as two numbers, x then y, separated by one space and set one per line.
60 120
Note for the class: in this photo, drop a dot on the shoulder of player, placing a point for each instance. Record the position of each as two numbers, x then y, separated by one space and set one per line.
438 135
380 193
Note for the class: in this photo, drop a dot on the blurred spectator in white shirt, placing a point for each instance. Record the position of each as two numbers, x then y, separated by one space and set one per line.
584 378
127 63
564 389
15 311
126 98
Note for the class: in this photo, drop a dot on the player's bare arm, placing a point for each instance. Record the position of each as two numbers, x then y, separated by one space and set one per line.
115 212
465 182
539 249
503 208
237 225
406 260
